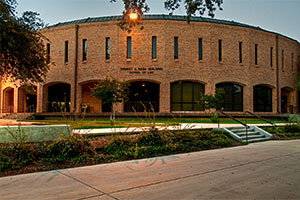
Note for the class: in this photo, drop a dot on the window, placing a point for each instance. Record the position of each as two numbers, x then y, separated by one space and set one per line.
220 50
66 51
128 47
271 56
233 97
185 96
292 61
282 60
107 48
48 51
200 56
262 98
154 47
84 49
255 54
240 52
175 47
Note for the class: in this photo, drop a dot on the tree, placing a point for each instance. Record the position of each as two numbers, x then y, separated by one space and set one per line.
192 7
111 91
215 101
22 53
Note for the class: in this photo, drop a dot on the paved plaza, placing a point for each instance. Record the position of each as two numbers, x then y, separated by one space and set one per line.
266 170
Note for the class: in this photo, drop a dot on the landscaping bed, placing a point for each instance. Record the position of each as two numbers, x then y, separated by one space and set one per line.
76 150
287 132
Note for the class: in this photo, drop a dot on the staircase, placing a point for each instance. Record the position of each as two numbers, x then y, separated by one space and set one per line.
252 134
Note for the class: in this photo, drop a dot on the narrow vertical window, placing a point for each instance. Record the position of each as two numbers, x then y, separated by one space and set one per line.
282 60
292 61
175 47
48 51
128 47
66 51
200 55
154 47
84 49
107 48
255 54
220 50
240 52
271 56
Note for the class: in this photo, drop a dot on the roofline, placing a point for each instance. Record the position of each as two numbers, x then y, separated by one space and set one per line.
166 17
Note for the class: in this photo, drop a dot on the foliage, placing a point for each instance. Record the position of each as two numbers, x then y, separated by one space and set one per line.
215 101
22 52
111 91
192 7
77 150
214 118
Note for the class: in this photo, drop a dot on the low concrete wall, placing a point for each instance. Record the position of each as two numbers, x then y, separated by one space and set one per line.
33 133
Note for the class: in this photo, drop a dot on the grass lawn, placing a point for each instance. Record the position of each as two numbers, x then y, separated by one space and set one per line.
139 122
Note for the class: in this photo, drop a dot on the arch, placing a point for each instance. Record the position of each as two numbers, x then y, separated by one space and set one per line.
144 80
143 96
233 98
8 100
262 98
27 98
190 80
89 103
232 82
266 85
287 99
185 95
57 96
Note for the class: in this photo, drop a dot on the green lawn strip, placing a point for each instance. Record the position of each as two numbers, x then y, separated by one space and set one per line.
140 122
77 150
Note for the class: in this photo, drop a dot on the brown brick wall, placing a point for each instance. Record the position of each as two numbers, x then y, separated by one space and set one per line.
209 71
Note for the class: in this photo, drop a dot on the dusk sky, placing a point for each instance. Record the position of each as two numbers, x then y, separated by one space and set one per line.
281 16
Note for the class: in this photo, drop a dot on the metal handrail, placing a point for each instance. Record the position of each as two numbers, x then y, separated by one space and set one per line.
30 109
238 121
259 117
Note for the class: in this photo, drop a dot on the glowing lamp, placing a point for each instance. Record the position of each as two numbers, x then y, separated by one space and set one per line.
133 16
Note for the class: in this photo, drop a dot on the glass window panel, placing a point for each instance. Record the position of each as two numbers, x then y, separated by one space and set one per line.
176 92
187 107
154 44
128 47
187 92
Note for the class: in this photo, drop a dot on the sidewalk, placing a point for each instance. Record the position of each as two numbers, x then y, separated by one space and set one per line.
266 170
108 131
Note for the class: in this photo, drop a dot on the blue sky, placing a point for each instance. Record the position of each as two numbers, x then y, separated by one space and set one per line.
281 16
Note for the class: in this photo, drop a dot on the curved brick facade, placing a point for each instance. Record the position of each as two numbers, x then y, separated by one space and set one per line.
281 77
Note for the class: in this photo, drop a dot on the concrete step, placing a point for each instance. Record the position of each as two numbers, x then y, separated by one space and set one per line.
254 134
249 133
252 137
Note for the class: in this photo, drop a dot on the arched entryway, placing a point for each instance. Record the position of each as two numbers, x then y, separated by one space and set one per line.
89 103
287 102
58 98
8 100
142 95
262 98
233 97
185 96
27 99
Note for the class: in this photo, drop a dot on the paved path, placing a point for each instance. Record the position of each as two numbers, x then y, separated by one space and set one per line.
108 131
266 170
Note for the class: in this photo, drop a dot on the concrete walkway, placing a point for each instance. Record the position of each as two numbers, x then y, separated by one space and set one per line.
108 131
267 170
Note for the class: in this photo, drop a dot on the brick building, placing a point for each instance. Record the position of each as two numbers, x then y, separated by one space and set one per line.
169 63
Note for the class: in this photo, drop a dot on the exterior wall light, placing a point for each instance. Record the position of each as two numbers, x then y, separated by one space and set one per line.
133 16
